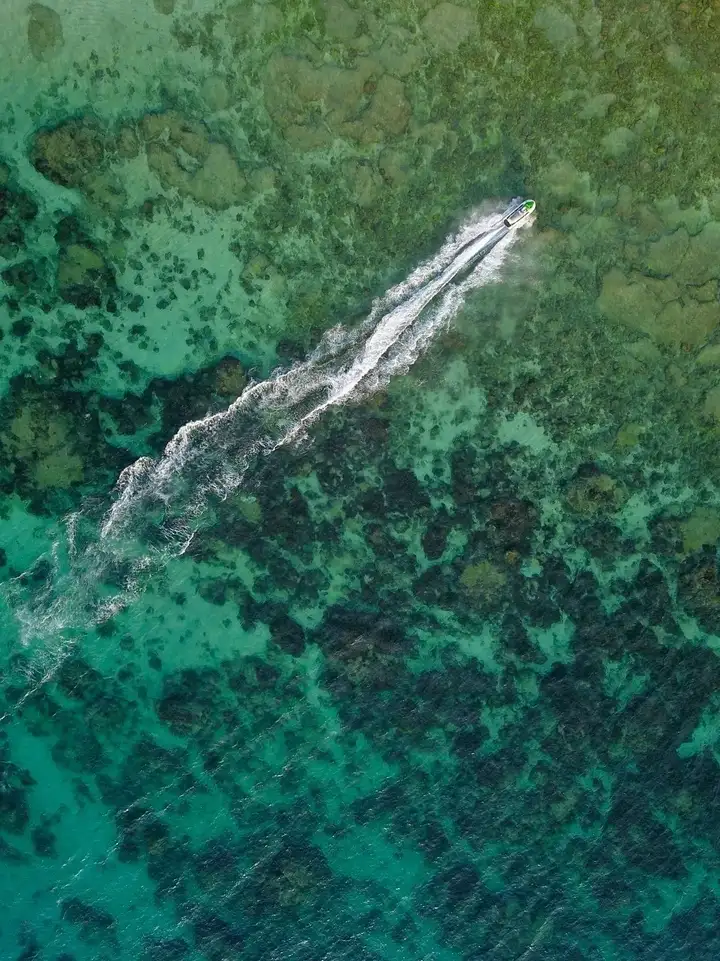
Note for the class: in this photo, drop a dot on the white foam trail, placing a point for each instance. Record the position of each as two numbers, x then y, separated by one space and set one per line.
395 323
161 503
286 391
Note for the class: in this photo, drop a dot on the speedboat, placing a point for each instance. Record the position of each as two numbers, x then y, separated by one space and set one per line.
480 244
518 214
486 234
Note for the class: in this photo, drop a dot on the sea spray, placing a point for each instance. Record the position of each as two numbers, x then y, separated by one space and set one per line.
161 504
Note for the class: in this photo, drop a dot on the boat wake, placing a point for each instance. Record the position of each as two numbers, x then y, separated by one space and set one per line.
99 567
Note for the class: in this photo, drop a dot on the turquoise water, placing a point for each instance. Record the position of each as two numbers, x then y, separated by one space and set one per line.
316 650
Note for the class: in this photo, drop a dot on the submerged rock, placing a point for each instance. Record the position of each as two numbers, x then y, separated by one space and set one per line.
711 407
686 322
14 806
484 582
362 651
709 356
618 142
366 183
388 113
189 702
230 378
341 21
434 540
94 923
700 529
79 153
297 874
83 276
447 26
12 855
44 32
665 255
141 833
398 54
215 94
629 302
699 587
23 275
43 441
656 307
70 152
44 841
511 524
106 192
17 209
314 105
702 260
294 87
595 493
218 183
184 157
559 28
395 167
244 18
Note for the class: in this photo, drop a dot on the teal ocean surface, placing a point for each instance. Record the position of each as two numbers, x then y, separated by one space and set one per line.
343 622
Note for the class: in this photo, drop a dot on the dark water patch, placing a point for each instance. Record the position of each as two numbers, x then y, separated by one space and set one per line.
186 398
12 855
16 784
94 923
44 841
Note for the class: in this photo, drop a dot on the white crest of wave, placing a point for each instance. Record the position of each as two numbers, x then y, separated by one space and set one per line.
160 504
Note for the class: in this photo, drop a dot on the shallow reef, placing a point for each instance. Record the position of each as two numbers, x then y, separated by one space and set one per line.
440 681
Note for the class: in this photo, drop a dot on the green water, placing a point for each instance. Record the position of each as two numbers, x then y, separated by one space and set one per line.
440 679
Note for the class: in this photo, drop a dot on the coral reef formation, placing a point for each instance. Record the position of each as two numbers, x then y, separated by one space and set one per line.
442 681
